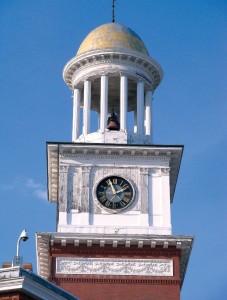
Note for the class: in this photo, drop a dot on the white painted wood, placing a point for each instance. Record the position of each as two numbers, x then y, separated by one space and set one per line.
156 198
135 120
62 218
76 115
87 107
103 103
166 198
148 113
123 102
140 108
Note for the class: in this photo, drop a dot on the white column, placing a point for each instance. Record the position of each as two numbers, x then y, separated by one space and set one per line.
87 107
76 115
123 103
135 120
148 112
103 103
140 108
166 198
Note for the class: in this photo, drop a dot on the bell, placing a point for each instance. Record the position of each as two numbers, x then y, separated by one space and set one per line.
113 122
113 126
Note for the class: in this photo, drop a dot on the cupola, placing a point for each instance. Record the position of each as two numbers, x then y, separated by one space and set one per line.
113 72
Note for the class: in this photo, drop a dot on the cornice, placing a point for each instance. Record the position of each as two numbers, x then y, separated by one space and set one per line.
113 57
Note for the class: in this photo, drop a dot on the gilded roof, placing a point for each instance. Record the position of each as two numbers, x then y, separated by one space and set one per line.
112 35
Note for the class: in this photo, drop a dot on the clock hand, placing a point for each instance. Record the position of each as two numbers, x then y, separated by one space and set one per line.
121 190
112 187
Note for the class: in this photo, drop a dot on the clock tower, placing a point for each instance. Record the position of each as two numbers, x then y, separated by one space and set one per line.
112 186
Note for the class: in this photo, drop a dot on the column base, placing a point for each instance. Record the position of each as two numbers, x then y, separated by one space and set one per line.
114 137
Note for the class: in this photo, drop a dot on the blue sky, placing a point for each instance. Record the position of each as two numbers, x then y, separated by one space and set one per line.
187 38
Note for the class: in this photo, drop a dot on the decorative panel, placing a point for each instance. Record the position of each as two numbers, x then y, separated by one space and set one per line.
110 266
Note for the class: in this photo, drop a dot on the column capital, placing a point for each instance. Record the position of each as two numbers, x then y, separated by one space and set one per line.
140 80
165 171
155 172
105 74
124 74
150 91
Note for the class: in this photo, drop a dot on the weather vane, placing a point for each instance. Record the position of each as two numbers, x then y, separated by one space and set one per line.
113 12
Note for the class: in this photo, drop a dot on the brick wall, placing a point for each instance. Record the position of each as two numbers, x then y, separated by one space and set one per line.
100 287
14 296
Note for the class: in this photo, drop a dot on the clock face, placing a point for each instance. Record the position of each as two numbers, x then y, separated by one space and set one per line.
115 193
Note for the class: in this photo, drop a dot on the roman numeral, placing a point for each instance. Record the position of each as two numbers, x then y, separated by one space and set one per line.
107 204
103 198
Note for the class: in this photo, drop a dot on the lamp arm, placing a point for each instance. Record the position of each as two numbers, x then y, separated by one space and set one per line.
18 246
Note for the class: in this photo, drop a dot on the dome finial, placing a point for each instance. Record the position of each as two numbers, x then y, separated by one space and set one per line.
113 11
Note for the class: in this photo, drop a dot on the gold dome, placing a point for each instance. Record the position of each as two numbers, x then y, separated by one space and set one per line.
112 36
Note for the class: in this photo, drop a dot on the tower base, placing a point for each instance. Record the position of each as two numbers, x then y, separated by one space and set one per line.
114 265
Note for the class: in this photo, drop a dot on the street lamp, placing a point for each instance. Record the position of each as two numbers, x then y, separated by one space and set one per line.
18 260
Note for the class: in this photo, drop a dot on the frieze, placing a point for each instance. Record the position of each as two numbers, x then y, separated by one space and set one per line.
109 266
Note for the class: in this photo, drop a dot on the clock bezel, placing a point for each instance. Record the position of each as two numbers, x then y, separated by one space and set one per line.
112 210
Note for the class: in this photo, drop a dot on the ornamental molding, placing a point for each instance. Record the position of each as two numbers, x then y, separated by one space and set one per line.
144 171
114 157
165 171
111 56
63 168
117 267
86 169
93 71
116 279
